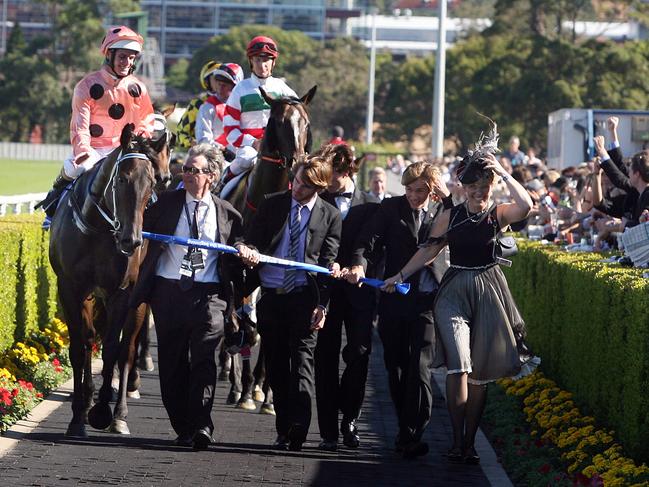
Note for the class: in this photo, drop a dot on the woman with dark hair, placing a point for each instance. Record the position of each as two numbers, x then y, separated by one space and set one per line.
479 328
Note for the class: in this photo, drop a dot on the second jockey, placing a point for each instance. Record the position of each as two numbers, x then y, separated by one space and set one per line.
103 103
221 80
246 112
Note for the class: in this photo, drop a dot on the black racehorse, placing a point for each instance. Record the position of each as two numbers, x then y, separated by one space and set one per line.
96 235
286 139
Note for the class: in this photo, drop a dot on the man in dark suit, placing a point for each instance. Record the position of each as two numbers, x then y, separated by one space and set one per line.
350 305
188 290
406 326
296 225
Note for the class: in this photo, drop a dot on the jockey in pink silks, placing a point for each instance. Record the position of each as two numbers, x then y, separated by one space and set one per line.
102 104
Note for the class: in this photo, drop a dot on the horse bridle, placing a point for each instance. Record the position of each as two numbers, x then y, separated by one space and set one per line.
114 220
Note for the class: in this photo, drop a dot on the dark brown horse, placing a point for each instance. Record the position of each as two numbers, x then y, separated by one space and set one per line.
286 139
96 234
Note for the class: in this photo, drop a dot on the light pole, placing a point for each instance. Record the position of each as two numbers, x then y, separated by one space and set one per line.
438 96
369 126
4 27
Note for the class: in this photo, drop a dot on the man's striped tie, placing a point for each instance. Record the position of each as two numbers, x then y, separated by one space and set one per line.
294 243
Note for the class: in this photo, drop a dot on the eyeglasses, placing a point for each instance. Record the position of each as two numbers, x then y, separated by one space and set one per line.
194 171
261 45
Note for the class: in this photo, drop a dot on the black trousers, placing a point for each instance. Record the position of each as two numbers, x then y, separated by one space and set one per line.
353 307
407 331
189 326
284 322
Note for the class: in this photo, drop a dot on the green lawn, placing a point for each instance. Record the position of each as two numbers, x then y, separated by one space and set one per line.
19 177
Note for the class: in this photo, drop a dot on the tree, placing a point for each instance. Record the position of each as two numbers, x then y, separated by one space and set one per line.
177 74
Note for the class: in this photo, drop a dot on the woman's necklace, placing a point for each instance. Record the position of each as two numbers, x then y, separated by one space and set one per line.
474 217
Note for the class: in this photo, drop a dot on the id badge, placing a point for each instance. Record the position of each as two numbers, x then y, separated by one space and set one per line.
196 259
186 267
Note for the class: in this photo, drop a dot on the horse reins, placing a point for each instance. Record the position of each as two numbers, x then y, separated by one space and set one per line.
114 220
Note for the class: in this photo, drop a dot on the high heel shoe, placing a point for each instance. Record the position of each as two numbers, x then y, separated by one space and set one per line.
454 455
471 457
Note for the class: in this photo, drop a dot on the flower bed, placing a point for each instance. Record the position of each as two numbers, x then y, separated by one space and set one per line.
563 446
31 369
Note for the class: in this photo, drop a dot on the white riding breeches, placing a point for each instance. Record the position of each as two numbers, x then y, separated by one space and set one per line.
73 170
246 158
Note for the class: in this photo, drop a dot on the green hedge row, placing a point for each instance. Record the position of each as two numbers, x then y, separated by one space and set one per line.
589 323
28 284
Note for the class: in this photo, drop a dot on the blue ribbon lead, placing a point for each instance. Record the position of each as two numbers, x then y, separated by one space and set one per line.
402 288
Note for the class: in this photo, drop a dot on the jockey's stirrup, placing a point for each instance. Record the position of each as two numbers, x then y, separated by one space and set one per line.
50 202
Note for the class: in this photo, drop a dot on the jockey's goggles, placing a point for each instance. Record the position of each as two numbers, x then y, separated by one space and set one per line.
258 46
194 171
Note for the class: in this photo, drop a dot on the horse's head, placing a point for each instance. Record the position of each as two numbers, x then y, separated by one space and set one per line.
129 188
288 132
162 142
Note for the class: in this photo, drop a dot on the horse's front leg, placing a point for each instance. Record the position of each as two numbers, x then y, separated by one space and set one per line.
262 381
235 380
145 361
71 304
89 339
247 382
130 320
100 415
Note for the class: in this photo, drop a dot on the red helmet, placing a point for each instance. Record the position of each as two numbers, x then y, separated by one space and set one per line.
262 45
121 38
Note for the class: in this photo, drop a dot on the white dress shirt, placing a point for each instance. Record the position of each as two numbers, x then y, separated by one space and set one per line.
170 260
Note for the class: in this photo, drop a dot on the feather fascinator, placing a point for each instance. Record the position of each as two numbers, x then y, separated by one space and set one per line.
472 166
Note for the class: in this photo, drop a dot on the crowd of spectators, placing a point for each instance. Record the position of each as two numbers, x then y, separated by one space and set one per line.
588 205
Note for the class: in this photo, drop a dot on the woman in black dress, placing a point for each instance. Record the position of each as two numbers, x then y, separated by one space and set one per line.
479 328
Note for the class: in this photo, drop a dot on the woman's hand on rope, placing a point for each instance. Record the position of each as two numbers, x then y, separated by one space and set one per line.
336 272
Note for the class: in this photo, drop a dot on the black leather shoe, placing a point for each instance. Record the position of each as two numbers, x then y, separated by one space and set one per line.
295 445
201 439
399 443
183 439
281 443
296 437
326 445
350 434
415 449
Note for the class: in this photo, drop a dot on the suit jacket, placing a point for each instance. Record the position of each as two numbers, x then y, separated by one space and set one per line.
363 206
322 238
162 217
393 228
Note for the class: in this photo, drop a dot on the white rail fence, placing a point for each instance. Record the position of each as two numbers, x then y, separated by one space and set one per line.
20 203
34 152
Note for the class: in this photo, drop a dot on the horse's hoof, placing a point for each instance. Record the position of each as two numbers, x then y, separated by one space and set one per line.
120 427
134 385
247 404
77 430
267 409
259 395
233 397
146 363
133 394
100 416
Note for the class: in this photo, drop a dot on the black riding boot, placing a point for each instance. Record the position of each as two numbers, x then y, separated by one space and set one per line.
50 202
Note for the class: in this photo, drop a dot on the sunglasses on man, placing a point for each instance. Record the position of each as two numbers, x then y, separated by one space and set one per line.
194 171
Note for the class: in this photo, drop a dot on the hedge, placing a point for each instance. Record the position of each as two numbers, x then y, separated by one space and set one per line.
28 290
589 323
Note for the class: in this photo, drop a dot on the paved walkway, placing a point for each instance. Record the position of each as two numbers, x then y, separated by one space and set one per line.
241 455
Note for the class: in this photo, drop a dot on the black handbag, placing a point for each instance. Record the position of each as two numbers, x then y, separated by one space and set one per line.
506 246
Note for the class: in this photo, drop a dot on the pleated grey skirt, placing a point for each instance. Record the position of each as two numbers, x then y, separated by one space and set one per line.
479 328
